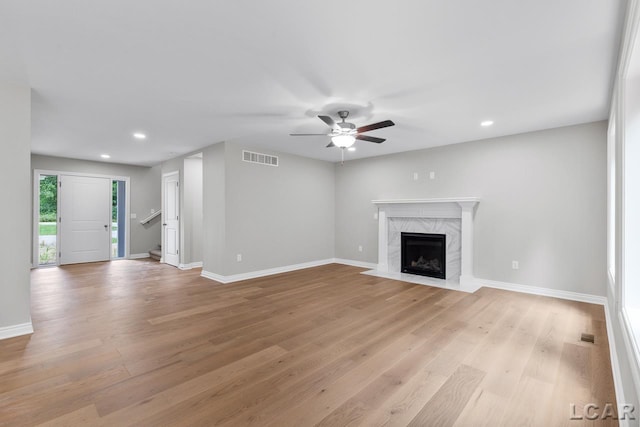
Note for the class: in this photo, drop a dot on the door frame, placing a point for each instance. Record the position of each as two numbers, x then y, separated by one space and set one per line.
36 210
180 222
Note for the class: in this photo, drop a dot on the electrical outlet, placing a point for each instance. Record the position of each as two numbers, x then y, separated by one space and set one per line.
360 248
415 176
239 257
515 265
375 215
133 216
432 175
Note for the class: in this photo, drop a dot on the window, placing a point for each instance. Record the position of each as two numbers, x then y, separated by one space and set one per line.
48 220
118 217
611 201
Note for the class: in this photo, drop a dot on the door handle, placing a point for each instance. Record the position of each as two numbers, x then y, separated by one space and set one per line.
106 227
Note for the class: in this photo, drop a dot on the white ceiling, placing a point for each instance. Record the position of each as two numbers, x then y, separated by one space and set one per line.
190 74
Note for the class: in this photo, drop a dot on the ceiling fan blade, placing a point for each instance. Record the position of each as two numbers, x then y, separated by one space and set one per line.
331 144
375 126
308 134
370 139
328 120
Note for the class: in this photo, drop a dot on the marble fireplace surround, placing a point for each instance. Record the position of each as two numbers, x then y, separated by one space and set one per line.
461 208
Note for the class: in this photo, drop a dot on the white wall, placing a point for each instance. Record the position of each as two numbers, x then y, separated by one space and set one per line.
15 215
543 203
192 215
145 193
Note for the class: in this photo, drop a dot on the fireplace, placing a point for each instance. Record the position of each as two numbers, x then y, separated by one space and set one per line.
424 254
452 216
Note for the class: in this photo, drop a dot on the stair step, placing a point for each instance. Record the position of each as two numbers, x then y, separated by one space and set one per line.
155 254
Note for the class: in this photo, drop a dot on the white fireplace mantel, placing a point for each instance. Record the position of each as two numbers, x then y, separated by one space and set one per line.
460 207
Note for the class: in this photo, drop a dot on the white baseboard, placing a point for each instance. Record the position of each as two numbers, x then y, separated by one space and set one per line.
631 347
262 273
190 265
361 264
574 296
138 256
535 290
615 364
16 330
213 276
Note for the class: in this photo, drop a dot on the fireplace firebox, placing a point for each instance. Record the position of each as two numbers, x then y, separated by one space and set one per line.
424 254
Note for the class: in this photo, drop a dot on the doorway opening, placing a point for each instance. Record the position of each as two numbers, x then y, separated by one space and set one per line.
48 220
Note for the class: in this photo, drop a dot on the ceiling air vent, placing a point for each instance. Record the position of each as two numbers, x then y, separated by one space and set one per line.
263 159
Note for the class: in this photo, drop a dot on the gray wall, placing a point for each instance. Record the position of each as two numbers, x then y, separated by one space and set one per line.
277 216
273 216
145 193
15 251
214 208
543 203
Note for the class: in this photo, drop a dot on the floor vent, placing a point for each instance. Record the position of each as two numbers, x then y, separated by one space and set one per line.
587 338
263 159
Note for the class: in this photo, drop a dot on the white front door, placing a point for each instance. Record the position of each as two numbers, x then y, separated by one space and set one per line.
171 219
85 219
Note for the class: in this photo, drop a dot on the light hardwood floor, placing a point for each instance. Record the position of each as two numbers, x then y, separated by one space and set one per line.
140 343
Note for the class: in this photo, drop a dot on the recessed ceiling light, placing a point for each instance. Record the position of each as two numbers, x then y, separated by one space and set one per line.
139 135
105 156
351 149
486 123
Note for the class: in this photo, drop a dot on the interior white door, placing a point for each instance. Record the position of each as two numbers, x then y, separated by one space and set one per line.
171 219
85 219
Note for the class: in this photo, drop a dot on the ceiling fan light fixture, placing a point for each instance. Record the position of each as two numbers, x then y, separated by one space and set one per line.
344 134
343 141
